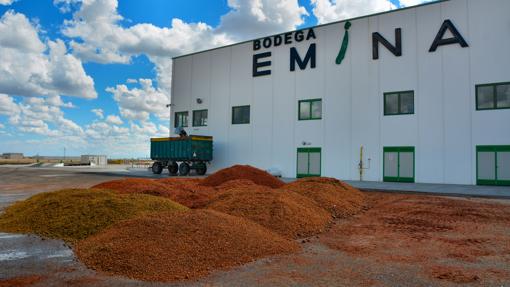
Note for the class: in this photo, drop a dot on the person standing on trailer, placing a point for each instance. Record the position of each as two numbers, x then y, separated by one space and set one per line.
181 132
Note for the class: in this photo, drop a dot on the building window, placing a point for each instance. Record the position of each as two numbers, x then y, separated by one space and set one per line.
399 103
493 96
241 115
181 119
200 118
310 109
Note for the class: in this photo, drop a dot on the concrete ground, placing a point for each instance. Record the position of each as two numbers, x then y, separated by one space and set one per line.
120 171
333 259
438 189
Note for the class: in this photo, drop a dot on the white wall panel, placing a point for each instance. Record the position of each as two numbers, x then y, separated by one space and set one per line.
181 85
429 98
365 100
219 107
337 106
284 113
456 95
200 88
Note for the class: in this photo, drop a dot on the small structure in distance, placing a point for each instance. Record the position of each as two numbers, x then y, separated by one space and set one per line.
100 160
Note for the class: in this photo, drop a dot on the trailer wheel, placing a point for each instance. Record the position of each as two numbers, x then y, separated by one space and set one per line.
201 168
173 168
184 169
157 168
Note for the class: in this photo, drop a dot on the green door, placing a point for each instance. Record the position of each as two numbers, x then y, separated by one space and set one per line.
398 164
493 165
308 162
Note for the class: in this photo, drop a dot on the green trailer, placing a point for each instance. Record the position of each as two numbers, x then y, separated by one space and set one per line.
181 154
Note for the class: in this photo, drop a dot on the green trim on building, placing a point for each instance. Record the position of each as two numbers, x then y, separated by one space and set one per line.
398 150
496 149
177 115
240 122
494 95
310 115
399 108
201 124
308 150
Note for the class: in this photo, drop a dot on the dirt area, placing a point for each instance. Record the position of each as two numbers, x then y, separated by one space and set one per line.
398 240
445 240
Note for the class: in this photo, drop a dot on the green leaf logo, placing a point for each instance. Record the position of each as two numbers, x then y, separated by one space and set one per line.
345 42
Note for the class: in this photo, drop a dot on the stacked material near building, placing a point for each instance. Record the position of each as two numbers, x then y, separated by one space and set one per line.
420 94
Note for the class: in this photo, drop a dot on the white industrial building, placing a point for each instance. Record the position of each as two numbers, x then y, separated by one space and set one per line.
424 90
101 160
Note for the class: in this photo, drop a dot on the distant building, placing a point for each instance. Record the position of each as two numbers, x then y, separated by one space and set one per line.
12 155
94 159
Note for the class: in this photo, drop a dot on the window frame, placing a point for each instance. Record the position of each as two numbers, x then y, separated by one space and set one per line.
494 149
176 114
495 97
399 108
196 111
311 101
398 150
308 151
249 115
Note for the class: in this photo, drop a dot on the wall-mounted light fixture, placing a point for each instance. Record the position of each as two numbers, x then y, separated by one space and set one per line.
199 101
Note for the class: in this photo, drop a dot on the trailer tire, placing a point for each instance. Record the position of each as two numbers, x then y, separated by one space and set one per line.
201 168
157 168
184 169
173 168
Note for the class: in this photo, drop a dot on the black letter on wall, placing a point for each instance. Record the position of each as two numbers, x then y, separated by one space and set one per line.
395 50
257 64
456 39
294 58
256 45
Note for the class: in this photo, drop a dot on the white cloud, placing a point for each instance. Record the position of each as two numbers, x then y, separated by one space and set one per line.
36 114
330 10
98 112
7 106
257 18
407 3
105 41
114 120
2 126
102 39
25 38
6 2
140 103
131 81
28 70
65 5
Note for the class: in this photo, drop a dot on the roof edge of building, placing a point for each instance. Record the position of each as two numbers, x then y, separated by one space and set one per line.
316 26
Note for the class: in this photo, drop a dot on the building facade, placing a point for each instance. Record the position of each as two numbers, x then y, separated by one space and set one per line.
420 94
11 155
101 160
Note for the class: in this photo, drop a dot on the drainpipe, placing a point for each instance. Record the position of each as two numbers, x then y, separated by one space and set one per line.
361 167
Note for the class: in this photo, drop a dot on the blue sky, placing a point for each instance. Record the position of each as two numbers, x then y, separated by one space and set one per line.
90 75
